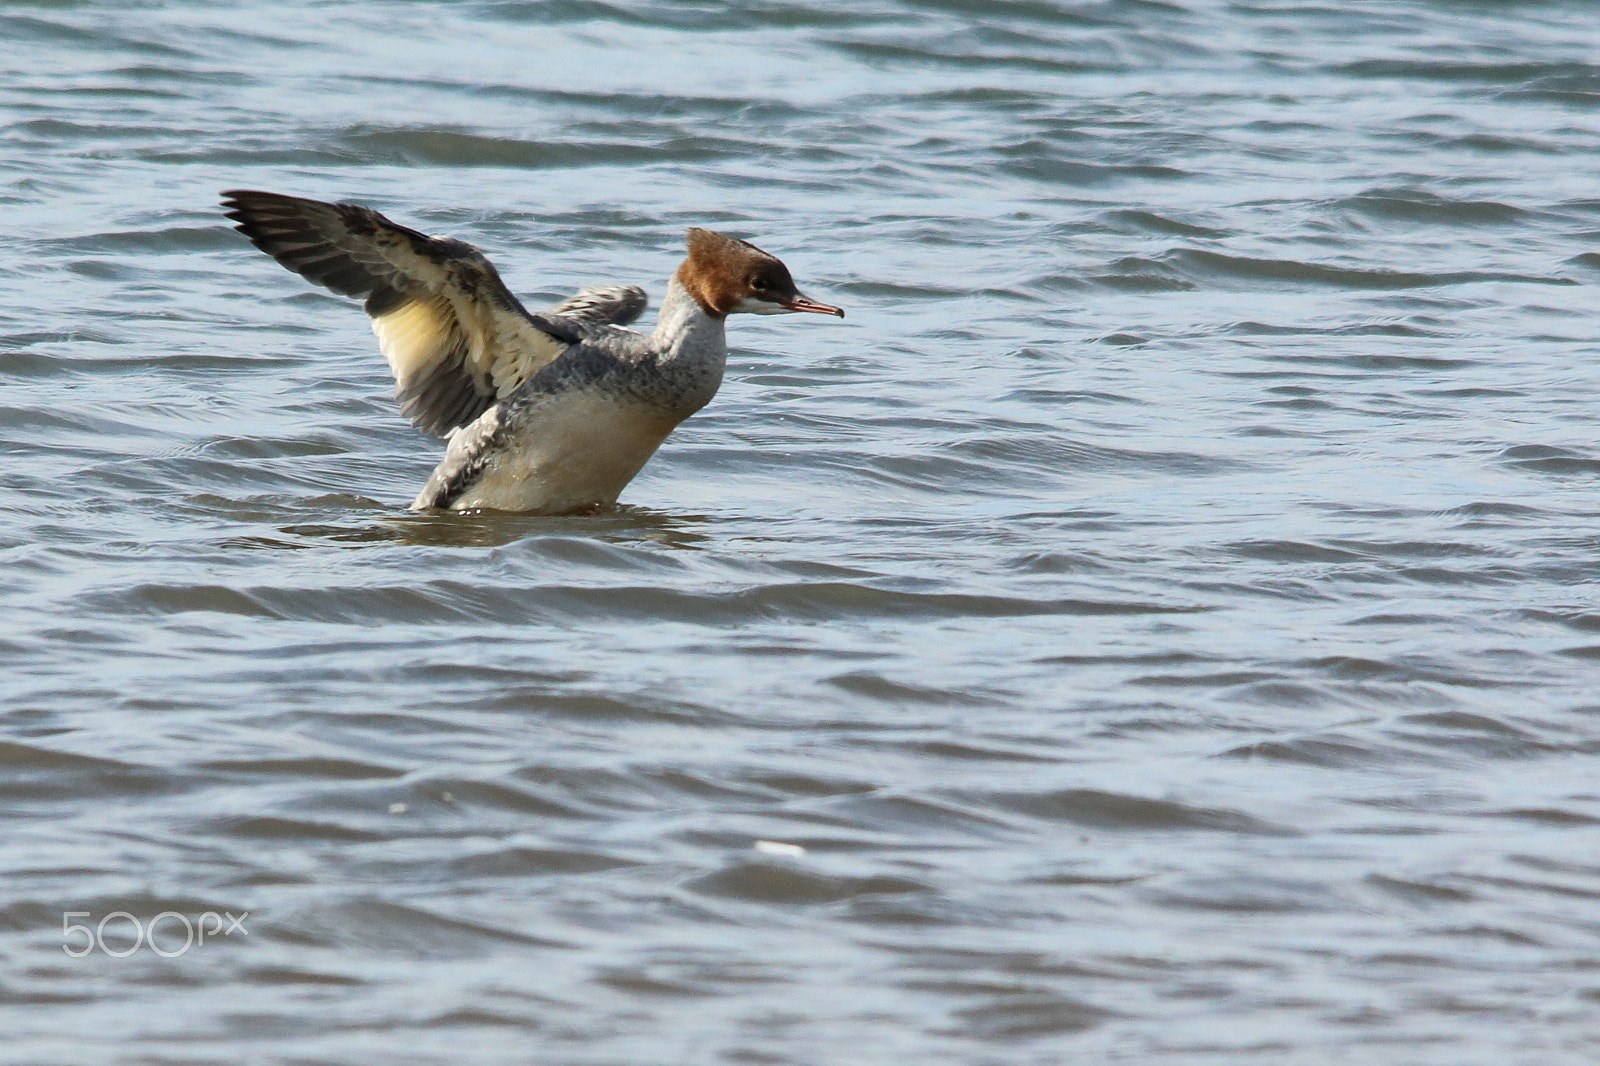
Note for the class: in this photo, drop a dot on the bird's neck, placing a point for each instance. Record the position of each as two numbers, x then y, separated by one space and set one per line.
684 330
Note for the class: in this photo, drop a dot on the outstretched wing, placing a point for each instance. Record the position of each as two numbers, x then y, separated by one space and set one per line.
455 338
602 305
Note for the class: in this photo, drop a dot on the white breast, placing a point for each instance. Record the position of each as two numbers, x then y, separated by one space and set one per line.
578 451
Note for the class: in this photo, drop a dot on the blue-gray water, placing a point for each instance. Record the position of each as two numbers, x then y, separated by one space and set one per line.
1158 625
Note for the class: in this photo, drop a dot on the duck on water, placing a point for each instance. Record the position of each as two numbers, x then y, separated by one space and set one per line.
546 413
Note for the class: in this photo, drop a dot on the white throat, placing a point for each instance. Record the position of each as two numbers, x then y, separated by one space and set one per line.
684 330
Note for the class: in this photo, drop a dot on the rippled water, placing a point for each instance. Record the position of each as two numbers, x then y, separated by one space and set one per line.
1158 625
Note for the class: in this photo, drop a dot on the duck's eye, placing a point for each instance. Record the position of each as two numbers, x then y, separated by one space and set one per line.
758 285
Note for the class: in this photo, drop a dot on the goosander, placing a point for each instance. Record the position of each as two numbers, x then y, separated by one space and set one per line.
551 412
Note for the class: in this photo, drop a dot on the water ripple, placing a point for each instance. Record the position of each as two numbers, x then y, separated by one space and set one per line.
1155 624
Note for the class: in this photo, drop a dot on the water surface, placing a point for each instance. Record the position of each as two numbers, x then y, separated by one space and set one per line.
1158 625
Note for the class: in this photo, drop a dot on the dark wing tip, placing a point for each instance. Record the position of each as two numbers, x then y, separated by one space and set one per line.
251 208
242 203
328 244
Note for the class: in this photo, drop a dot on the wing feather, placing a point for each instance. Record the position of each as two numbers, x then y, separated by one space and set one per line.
597 306
454 336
